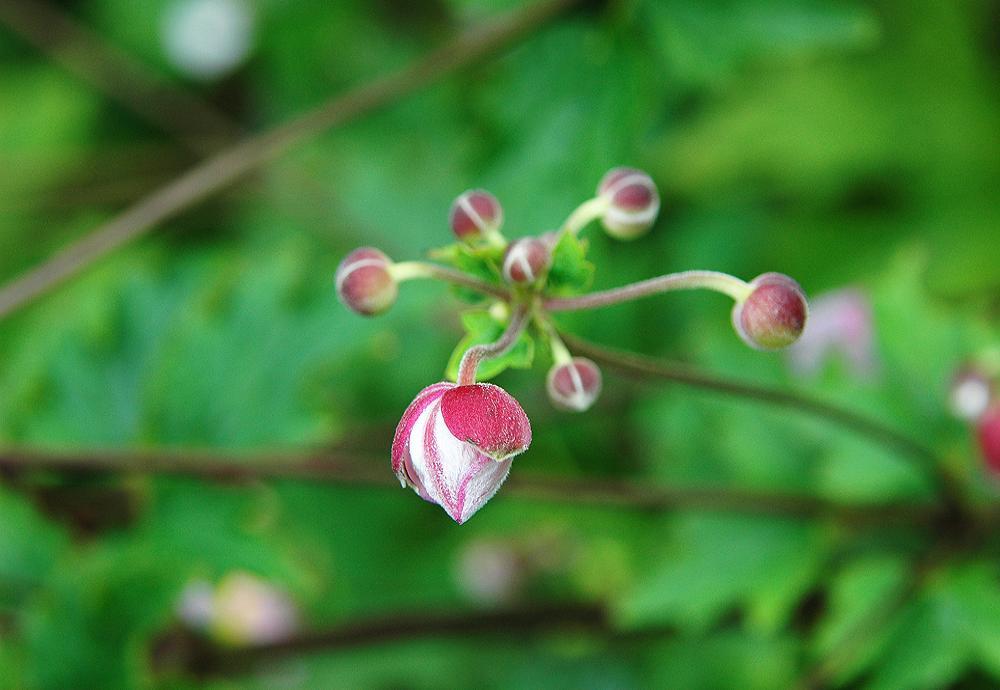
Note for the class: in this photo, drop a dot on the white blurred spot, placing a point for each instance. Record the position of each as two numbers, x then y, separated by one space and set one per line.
206 39
241 609
489 573
195 606
970 396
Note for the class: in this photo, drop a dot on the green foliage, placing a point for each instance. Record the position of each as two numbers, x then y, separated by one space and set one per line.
482 327
842 143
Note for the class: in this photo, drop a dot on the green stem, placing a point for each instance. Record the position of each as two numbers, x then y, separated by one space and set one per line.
738 289
412 270
589 210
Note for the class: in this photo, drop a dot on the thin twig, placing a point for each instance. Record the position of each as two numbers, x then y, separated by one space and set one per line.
220 170
182 651
190 120
364 469
643 366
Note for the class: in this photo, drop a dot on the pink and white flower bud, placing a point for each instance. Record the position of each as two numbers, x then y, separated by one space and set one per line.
455 444
971 393
526 261
988 435
774 315
475 213
633 202
574 386
364 282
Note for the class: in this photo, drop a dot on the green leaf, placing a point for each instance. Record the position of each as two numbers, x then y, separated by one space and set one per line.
716 561
481 327
571 272
481 261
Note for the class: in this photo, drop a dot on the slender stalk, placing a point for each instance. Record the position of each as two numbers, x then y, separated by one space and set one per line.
477 353
412 270
180 650
560 353
356 469
686 280
586 212
644 367
222 169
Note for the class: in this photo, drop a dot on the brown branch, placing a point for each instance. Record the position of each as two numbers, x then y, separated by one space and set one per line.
220 170
180 650
642 367
176 111
368 469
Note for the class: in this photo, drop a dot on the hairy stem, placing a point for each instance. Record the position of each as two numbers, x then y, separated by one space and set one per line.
477 353
586 212
220 170
687 280
411 270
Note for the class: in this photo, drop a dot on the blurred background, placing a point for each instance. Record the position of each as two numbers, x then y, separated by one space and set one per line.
852 145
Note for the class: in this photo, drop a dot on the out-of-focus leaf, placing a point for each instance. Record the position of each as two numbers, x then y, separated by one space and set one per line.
570 272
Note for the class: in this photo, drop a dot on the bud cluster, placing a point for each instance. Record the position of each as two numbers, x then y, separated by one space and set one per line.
456 441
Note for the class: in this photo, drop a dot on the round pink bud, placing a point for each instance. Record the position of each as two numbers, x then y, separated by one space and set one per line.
526 260
633 202
364 283
773 315
971 393
988 433
574 386
475 213
455 444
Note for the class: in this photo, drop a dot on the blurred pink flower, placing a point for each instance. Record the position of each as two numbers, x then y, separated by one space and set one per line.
840 324
242 609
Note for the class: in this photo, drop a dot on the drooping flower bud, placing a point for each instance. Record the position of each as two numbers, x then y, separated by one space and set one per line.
526 260
971 393
574 386
364 282
773 315
475 213
988 433
455 444
633 202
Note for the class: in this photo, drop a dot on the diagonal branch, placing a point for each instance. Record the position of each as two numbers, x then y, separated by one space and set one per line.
222 169
364 469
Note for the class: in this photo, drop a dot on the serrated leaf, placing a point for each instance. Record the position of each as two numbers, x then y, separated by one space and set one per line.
480 328
570 272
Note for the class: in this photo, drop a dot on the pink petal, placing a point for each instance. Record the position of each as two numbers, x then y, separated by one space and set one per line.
488 417
401 439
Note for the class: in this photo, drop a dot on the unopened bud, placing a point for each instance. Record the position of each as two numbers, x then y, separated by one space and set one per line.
971 393
988 433
633 202
575 385
526 260
773 315
364 282
475 213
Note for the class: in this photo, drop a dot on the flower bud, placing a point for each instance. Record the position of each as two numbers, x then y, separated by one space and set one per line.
574 386
633 202
988 433
526 260
773 315
971 393
475 213
364 283
455 444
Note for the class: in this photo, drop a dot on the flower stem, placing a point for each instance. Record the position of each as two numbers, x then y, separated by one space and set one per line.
560 353
587 211
411 270
738 289
477 353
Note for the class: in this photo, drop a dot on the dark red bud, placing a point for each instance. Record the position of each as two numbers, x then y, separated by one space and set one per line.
364 283
574 386
633 202
526 260
988 433
475 213
773 315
